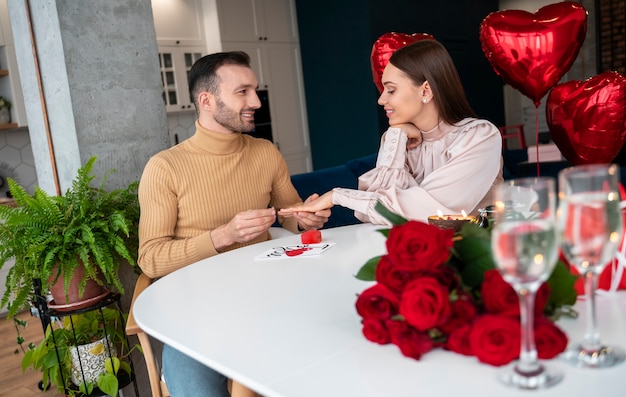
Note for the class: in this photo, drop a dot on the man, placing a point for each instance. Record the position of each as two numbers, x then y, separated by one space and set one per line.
216 191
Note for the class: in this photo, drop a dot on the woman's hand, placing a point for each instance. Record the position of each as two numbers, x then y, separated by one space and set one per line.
413 133
315 209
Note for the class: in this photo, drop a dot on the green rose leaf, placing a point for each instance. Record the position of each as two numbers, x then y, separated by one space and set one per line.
472 255
392 217
562 292
367 272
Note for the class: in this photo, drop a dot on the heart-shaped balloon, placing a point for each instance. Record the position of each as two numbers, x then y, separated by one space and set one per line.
532 52
587 120
386 45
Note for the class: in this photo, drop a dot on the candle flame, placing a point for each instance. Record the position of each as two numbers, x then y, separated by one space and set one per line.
464 214
440 214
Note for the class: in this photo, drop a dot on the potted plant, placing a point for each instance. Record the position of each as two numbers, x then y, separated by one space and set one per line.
5 110
82 352
78 239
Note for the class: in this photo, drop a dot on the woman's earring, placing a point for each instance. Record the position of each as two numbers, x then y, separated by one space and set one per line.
425 100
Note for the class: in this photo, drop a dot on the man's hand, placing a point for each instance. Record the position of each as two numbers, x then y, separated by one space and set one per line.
244 226
314 213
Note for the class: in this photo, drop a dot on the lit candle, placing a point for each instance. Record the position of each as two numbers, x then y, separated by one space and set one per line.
454 222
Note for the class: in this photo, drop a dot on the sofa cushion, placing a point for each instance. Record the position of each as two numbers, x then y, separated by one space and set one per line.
325 179
322 181
361 165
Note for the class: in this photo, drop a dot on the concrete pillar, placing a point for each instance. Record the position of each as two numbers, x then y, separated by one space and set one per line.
99 81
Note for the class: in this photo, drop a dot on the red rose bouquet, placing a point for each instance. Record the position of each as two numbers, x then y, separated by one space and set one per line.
435 289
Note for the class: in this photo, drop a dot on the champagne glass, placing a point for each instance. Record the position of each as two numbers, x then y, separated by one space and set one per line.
525 248
591 225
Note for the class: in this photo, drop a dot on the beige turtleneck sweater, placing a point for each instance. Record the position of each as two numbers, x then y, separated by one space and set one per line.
192 188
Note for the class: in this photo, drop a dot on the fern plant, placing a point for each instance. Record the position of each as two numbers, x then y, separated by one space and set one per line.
51 236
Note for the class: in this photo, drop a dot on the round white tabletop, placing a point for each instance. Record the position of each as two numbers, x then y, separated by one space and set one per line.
289 328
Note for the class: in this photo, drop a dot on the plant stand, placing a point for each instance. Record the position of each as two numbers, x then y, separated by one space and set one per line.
47 315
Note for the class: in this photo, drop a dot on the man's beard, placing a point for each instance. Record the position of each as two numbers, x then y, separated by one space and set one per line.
230 119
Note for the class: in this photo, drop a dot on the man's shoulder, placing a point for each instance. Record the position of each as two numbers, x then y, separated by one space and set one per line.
164 154
167 157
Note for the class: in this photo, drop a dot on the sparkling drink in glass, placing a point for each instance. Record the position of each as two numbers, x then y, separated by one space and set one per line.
590 224
525 245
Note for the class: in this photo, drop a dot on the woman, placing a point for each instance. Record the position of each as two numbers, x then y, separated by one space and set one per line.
436 155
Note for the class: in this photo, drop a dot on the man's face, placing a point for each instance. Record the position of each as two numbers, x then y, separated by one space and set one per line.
236 99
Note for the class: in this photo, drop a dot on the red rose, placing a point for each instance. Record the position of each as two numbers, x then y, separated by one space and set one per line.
459 341
393 276
444 274
419 244
500 298
425 304
549 339
463 311
495 340
374 330
412 343
498 295
377 302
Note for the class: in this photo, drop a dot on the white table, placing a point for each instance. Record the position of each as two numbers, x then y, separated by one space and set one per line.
288 328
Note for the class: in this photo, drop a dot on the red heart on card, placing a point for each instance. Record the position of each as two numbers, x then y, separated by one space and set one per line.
532 52
587 120
385 46
297 251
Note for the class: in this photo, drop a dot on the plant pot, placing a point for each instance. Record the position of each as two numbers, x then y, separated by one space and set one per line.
73 300
5 115
88 360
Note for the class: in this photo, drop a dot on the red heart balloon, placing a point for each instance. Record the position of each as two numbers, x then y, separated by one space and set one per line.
532 52
587 120
385 45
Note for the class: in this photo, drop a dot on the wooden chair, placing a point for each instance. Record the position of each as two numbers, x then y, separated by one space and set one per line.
157 385
513 132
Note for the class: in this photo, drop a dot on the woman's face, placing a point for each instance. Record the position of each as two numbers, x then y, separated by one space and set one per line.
401 98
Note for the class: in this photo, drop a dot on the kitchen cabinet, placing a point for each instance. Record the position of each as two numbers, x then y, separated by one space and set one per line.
178 22
174 64
267 31
257 20
180 34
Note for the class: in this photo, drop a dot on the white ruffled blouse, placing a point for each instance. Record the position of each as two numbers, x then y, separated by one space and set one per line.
453 169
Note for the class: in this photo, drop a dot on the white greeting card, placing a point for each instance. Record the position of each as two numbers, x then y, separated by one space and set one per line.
294 251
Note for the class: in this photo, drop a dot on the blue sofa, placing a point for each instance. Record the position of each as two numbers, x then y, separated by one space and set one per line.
326 179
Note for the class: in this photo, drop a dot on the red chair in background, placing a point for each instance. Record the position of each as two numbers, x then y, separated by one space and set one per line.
513 132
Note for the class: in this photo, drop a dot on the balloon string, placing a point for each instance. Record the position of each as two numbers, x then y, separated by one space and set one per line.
537 139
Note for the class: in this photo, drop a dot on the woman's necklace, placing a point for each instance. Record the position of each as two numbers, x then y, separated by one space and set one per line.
427 131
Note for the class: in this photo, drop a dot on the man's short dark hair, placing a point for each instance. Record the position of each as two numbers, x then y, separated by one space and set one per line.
203 77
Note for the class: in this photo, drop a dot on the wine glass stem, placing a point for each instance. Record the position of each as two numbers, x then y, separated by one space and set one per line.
528 362
591 341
